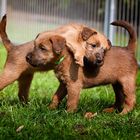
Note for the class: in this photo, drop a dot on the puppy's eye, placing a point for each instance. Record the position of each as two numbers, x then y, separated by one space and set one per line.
43 48
93 45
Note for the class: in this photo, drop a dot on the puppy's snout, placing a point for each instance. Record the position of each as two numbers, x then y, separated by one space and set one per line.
28 57
102 50
99 59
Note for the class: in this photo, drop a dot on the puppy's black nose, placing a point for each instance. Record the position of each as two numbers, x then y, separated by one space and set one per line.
97 55
28 57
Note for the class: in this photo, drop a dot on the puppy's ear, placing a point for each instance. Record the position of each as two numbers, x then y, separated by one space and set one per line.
37 36
109 44
3 23
58 43
87 33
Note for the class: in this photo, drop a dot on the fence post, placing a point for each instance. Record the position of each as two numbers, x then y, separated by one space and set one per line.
3 7
106 19
111 19
110 8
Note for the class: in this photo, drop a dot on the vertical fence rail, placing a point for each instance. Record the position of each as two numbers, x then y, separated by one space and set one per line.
129 11
26 18
3 7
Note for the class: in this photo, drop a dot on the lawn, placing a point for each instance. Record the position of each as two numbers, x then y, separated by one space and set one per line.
35 121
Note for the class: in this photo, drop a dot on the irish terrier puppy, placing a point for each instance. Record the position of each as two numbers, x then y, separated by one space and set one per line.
119 69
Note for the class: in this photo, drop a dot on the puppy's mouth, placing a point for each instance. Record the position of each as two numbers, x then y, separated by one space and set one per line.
99 59
31 63
34 65
97 62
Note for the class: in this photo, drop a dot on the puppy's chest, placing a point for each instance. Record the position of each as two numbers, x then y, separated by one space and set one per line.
62 73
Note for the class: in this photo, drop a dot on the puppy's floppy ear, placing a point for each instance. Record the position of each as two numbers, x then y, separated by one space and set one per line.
58 43
87 33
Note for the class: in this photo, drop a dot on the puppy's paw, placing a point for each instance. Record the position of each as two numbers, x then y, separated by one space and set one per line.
124 111
71 110
52 106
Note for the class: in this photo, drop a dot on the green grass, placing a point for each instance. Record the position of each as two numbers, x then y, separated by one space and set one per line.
41 123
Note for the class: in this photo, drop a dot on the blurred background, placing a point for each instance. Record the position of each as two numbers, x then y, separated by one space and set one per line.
26 18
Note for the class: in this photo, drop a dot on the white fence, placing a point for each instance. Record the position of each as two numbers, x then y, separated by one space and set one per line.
26 18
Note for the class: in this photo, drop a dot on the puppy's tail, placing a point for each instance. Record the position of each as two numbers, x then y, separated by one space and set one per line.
132 33
4 37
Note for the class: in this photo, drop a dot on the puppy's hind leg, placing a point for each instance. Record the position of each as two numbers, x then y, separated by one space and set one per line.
24 83
119 98
130 97
8 76
59 95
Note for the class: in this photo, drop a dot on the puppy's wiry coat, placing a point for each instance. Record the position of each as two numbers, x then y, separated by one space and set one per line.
119 69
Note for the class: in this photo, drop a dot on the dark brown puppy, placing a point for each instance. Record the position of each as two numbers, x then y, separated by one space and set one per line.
119 69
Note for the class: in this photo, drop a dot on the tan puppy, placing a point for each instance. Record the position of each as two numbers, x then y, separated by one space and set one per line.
119 69
76 42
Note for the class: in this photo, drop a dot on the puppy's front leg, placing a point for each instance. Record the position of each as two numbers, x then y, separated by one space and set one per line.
73 96
58 97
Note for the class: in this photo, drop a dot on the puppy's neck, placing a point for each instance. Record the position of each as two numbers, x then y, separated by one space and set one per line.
60 58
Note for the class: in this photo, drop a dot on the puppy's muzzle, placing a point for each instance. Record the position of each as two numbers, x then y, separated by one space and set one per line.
99 59
29 59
